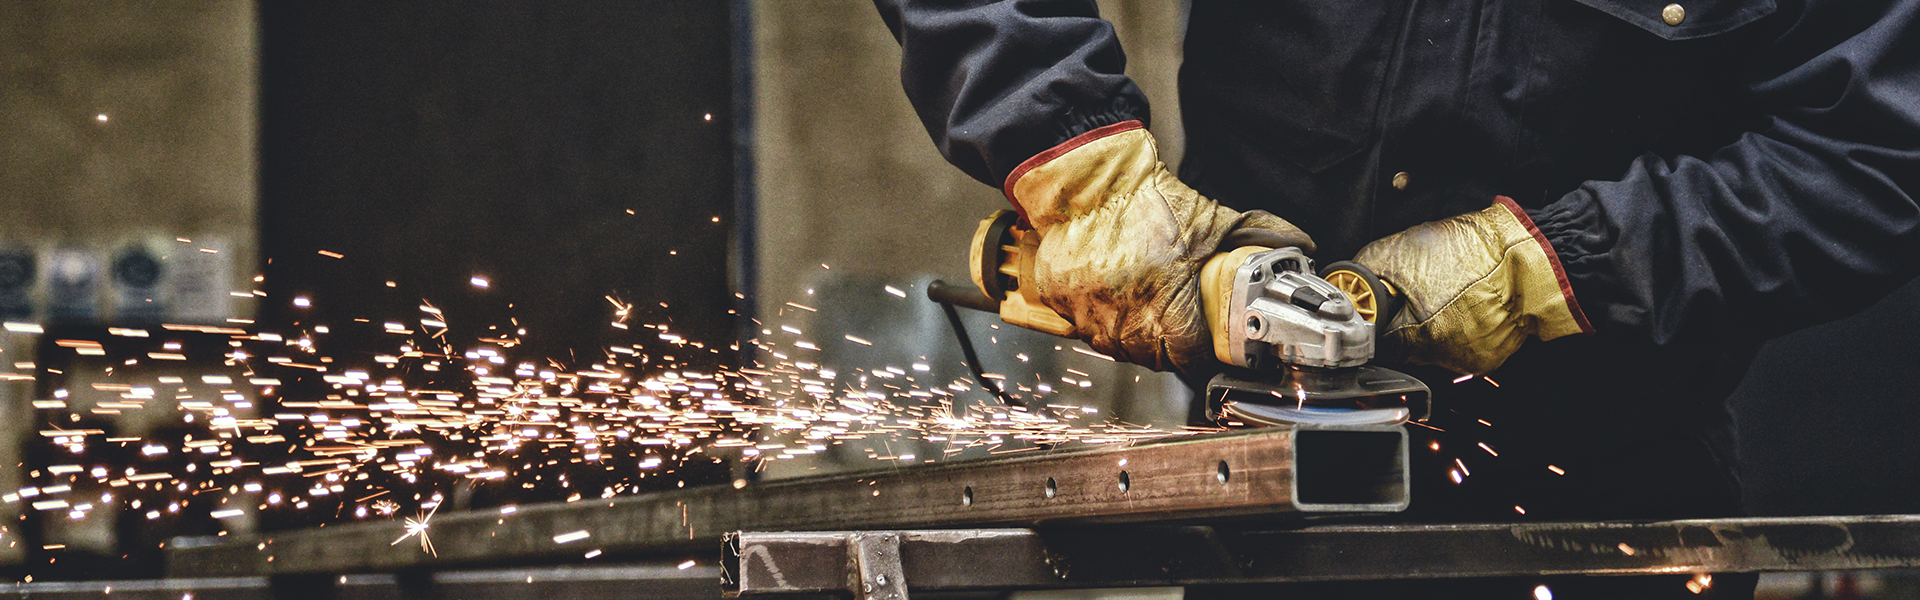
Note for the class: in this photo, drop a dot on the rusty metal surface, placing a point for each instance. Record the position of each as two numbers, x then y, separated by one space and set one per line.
1134 556
877 571
1212 476
816 562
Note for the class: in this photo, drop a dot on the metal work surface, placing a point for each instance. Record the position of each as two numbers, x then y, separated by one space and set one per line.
1134 556
1203 476
656 581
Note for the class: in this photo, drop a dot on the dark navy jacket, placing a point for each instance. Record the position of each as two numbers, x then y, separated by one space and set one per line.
1709 181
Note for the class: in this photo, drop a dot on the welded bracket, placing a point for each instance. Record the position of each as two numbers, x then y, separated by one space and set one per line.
866 564
877 573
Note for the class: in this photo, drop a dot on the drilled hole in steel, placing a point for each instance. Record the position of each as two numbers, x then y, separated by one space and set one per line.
1053 489
1125 482
966 497
1223 473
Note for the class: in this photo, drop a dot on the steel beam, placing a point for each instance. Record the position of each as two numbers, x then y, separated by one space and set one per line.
1134 556
653 581
1269 471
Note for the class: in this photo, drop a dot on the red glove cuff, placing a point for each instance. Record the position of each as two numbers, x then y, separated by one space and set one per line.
1559 272
1055 152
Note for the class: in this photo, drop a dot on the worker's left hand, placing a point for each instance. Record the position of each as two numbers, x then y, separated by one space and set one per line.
1476 286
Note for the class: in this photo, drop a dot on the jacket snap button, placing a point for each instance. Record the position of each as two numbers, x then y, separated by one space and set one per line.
1673 14
1400 180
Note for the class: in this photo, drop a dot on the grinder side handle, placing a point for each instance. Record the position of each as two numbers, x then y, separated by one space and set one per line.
1001 259
961 296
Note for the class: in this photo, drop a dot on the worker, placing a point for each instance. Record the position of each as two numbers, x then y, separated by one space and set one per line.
1596 209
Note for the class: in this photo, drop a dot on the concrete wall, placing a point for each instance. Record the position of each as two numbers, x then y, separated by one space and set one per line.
847 176
853 196
131 124
125 128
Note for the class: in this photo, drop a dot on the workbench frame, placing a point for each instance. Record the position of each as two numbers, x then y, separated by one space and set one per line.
884 565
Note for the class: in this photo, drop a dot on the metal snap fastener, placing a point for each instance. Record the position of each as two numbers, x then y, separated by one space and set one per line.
1400 180
1673 14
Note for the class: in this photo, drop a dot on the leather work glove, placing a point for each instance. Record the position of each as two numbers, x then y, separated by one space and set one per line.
1475 286
1122 242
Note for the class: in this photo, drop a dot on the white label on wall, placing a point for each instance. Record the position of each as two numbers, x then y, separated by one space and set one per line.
195 285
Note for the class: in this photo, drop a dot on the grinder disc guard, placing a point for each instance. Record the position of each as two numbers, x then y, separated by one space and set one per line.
1306 395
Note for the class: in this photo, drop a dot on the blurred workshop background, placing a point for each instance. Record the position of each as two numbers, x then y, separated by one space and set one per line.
726 167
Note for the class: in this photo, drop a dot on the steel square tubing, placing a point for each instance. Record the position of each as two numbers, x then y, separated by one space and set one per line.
1345 470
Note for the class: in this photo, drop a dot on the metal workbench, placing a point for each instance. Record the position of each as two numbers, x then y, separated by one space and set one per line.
1197 510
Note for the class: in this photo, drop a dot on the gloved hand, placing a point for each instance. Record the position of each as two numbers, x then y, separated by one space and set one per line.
1476 286
1122 242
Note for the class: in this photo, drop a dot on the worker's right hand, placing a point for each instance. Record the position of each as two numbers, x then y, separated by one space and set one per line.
1122 241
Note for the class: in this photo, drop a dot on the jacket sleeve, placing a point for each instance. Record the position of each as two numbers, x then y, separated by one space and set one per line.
1808 217
996 82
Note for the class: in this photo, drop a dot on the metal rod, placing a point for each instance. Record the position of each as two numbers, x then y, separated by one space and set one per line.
967 352
1134 556
1211 476
656 581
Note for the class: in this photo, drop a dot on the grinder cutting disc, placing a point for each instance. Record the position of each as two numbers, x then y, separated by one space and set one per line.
1350 396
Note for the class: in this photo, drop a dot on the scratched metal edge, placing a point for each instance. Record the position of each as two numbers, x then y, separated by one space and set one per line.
952 559
1591 548
955 560
657 521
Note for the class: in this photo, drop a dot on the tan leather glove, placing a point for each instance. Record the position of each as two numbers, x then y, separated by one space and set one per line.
1476 286
1122 242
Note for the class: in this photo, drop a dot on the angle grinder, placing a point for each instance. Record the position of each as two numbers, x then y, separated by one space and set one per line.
1294 342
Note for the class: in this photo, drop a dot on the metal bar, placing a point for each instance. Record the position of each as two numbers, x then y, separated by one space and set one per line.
815 562
743 247
1128 556
1212 476
653 581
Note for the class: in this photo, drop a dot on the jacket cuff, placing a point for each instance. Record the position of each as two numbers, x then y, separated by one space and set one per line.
1064 126
1538 230
1078 120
